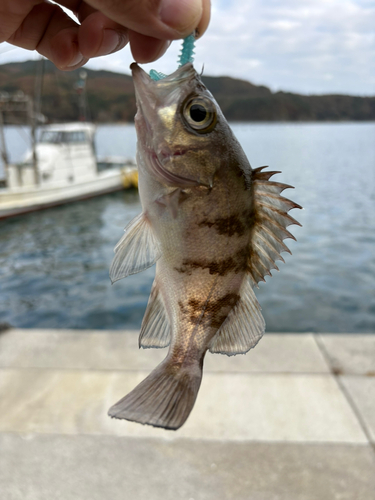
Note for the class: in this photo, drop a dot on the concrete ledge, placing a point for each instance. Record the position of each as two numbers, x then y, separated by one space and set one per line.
350 354
283 390
361 390
45 467
117 350
299 408
281 423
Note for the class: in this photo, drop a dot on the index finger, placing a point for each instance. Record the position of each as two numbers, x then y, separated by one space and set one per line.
162 19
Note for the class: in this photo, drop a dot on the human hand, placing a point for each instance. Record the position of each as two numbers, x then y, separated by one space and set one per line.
105 27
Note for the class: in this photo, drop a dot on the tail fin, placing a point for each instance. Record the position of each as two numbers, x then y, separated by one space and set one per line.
164 399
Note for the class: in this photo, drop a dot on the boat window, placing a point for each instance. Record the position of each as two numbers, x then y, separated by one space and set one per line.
82 136
57 136
50 136
74 137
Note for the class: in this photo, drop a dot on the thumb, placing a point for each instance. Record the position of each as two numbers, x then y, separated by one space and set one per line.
162 19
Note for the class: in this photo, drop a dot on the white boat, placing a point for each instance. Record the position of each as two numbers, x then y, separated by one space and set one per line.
62 167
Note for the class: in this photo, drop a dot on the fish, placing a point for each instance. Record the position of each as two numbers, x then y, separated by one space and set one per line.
214 227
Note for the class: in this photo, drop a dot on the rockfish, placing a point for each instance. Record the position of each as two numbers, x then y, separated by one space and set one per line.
214 227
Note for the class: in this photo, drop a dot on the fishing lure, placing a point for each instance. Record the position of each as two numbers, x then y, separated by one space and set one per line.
186 56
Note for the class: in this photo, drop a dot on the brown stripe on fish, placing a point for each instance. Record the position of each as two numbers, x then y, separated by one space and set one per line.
234 264
192 310
213 311
220 308
234 224
178 357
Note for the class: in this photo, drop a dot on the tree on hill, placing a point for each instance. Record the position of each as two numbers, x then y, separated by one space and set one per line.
110 97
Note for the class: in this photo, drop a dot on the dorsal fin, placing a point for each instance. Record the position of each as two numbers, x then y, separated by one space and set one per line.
155 329
271 220
136 251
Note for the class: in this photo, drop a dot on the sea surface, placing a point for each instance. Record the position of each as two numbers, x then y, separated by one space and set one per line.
54 263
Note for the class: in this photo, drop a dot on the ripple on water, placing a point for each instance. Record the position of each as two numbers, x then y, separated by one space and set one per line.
54 264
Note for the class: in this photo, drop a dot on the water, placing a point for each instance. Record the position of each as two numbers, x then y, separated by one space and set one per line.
54 264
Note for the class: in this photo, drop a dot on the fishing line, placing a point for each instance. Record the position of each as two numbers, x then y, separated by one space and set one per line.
186 56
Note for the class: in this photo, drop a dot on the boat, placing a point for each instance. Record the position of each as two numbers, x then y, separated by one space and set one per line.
62 167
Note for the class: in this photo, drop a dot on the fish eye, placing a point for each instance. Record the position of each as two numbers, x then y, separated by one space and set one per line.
200 114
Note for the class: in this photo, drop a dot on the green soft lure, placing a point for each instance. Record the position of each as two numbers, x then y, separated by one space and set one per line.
186 56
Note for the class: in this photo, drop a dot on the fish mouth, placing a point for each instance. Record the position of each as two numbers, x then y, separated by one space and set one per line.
150 92
147 96
141 78
166 177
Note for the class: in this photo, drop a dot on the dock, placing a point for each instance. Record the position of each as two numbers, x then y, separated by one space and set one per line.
294 419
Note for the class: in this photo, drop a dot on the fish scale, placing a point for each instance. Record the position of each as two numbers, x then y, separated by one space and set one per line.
213 226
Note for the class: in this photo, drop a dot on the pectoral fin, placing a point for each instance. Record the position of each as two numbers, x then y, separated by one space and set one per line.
137 250
172 201
244 326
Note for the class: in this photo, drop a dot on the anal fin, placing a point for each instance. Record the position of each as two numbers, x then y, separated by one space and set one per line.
244 326
155 329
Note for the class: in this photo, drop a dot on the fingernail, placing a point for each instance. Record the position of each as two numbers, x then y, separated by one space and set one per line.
112 41
182 16
78 60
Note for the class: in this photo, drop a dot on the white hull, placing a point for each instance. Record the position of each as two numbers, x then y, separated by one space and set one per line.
62 168
26 199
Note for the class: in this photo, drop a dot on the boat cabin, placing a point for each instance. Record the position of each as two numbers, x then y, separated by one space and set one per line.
64 154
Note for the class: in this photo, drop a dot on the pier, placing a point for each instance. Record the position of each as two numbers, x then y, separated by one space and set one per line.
294 419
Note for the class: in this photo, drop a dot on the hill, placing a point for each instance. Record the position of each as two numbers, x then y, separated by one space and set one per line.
110 97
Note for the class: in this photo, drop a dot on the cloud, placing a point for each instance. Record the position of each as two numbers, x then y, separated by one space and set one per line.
307 46
297 43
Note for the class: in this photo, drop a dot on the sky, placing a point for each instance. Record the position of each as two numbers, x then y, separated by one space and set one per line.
303 46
